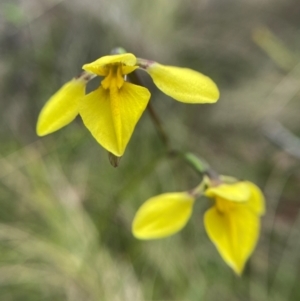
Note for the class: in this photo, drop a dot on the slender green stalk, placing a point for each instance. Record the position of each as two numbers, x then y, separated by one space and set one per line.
199 165
198 190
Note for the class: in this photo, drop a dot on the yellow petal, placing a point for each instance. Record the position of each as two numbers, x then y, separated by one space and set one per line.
128 69
185 85
236 192
234 234
111 115
61 108
257 200
162 215
98 66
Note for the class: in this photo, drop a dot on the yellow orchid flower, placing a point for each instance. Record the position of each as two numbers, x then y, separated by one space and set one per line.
112 111
233 223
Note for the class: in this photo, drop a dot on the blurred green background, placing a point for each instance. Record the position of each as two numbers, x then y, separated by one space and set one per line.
65 213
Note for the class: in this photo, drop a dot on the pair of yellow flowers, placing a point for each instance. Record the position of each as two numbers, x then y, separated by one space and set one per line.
232 224
111 113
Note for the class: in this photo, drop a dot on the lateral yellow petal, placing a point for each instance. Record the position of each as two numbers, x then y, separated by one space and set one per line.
162 215
111 115
257 200
127 105
61 108
95 112
183 84
235 192
98 66
235 234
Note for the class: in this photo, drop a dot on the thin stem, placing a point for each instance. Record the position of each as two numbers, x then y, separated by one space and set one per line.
199 165
158 125
198 190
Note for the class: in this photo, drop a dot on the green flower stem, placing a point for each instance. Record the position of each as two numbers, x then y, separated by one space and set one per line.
158 125
199 165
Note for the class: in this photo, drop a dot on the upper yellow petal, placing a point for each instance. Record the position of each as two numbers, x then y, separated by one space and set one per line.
61 108
111 115
185 85
162 215
99 66
235 234
235 192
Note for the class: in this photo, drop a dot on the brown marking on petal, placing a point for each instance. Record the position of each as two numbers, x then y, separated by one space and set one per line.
144 64
85 76
79 75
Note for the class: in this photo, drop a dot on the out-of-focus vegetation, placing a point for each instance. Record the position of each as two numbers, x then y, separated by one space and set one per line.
65 213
